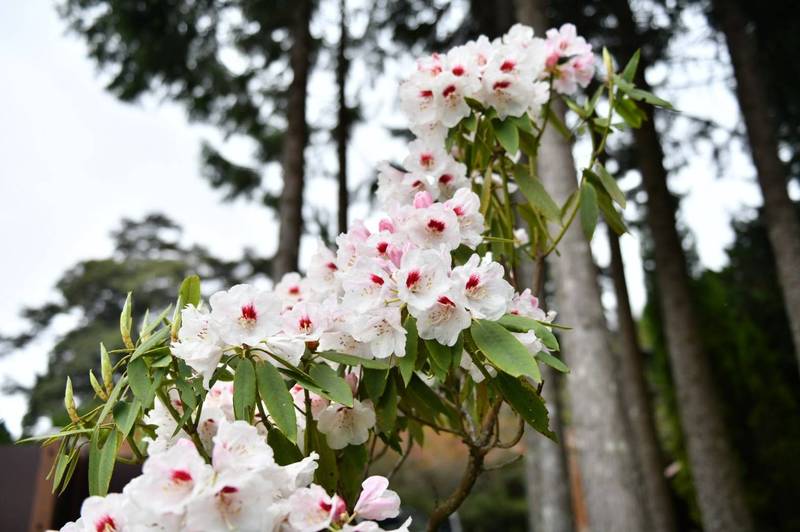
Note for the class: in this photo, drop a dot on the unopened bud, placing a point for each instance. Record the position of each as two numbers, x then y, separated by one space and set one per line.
101 393
69 402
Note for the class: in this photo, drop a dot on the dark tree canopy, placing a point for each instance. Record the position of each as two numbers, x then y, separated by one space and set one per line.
149 260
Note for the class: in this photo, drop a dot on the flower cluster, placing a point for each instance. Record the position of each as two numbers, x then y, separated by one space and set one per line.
242 489
423 267
508 74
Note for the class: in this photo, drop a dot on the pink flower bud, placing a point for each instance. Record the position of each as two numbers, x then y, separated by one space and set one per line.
423 200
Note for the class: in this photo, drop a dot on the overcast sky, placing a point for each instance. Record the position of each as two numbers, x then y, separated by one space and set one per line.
74 161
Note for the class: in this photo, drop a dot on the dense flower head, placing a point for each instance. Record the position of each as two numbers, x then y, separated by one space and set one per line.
242 488
424 262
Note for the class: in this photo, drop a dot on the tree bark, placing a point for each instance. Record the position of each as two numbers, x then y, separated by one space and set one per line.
714 471
597 417
637 401
546 473
783 226
290 212
343 125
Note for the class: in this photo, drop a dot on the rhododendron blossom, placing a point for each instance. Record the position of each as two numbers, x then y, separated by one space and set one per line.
231 404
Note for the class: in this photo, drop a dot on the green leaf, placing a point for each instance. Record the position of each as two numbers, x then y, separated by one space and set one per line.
336 387
244 390
649 97
630 69
408 362
610 214
284 451
535 193
102 455
629 112
610 185
125 415
327 472
386 409
151 343
557 123
526 402
374 381
139 379
508 135
351 472
588 209
279 402
441 358
555 363
352 360
503 350
189 293
126 322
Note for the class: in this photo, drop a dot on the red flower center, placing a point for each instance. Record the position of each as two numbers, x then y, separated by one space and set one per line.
377 279
294 290
458 70
501 85
436 225
473 281
458 210
444 300
426 94
105 524
181 475
381 247
331 266
305 323
249 312
412 279
228 490
445 178
426 160
507 65
450 89
326 506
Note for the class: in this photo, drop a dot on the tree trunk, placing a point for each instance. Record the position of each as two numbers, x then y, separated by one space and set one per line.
635 397
343 125
290 212
607 466
714 472
783 226
546 473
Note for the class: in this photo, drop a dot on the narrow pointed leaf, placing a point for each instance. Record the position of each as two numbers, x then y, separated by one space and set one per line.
279 402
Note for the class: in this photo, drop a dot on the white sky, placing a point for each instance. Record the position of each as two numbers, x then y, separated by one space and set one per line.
74 161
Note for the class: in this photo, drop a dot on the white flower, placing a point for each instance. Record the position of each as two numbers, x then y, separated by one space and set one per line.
396 187
245 314
452 178
376 500
241 502
423 277
366 285
479 285
288 348
345 426
322 271
527 305
426 158
198 343
239 447
318 403
176 476
343 342
434 226
451 91
466 205
306 320
521 237
443 321
104 514
382 330
312 509
418 98
291 289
